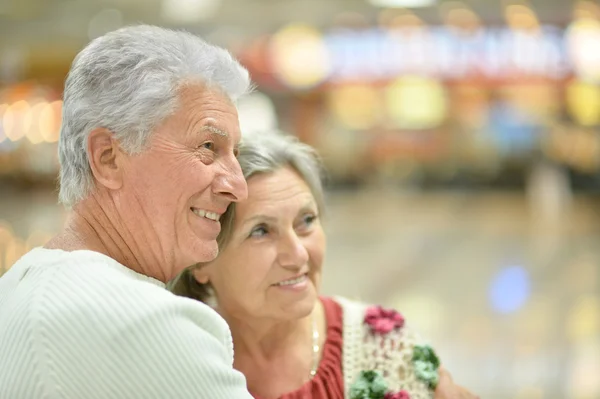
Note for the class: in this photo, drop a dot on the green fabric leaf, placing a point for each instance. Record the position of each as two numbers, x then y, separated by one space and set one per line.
368 385
426 364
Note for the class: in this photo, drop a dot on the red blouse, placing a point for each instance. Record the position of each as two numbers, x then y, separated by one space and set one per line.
328 383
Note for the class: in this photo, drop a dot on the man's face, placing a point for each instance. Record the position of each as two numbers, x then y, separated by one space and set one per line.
175 191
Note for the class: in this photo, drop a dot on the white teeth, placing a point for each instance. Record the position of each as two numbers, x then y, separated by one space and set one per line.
292 281
213 216
204 214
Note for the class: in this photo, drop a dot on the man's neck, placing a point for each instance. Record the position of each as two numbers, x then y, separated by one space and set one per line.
92 226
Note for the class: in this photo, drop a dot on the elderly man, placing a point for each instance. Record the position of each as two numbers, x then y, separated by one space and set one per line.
148 164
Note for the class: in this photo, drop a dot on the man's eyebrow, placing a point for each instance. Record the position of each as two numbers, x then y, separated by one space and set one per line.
215 130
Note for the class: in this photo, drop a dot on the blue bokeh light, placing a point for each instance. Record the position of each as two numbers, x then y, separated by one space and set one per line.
510 289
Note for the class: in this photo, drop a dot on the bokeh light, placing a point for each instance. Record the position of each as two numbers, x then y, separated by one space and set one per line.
3 108
356 106
17 120
299 56
584 318
583 38
510 289
583 103
415 102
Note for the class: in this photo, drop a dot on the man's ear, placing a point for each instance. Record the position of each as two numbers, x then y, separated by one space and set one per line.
104 156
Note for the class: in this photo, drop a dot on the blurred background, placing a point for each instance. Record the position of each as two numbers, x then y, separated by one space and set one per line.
462 140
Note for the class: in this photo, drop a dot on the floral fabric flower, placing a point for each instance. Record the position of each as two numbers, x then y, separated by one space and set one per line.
382 321
398 395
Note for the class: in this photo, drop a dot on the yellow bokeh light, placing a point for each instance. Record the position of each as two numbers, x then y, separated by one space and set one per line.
5 231
6 236
299 56
520 17
407 20
14 250
584 319
586 9
458 14
583 103
34 134
49 121
3 108
355 106
416 103
463 17
17 120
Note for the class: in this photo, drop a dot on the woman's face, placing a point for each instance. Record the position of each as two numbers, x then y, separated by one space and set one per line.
271 267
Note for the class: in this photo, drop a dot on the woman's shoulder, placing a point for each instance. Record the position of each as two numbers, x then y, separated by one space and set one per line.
381 347
374 322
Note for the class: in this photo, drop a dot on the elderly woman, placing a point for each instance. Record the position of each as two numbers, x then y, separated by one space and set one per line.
148 164
290 343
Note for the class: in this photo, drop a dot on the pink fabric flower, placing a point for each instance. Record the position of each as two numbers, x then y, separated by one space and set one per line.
398 395
382 321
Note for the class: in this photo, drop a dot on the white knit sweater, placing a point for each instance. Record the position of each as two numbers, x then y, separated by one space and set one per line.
80 325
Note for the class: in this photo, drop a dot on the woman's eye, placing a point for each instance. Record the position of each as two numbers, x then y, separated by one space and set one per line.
258 231
306 223
309 219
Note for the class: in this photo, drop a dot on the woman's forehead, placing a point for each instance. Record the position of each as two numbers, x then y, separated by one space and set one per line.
274 197
276 205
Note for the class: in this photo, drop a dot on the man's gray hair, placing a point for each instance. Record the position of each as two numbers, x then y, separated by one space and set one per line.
127 81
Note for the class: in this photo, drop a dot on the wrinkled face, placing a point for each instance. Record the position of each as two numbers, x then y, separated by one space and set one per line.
175 191
271 267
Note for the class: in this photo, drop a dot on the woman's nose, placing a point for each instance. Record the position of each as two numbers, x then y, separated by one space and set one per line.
292 252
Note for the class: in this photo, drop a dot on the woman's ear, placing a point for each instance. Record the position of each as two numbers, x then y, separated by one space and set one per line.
201 273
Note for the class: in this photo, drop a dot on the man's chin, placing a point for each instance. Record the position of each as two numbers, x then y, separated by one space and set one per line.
206 251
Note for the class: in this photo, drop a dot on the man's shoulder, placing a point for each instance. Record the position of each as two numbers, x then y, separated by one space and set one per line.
95 331
97 294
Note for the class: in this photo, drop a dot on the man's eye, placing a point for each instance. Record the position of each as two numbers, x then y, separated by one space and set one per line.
209 145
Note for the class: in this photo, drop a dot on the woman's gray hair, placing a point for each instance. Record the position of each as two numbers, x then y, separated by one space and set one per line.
127 81
260 153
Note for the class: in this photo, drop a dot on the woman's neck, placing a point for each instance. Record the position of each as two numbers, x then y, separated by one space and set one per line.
276 357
